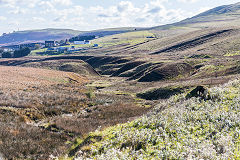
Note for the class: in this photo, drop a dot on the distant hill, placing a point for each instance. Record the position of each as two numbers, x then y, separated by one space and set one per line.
225 9
105 32
110 31
218 14
57 34
222 16
37 35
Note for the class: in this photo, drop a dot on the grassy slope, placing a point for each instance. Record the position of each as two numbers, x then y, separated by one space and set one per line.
128 39
185 129
222 16
124 38
38 35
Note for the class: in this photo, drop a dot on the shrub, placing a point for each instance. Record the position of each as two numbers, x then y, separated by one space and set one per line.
22 52
6 55
90 94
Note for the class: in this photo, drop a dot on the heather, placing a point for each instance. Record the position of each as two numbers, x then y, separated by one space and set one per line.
178 128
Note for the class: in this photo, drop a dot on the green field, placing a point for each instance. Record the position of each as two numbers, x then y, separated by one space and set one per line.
124 38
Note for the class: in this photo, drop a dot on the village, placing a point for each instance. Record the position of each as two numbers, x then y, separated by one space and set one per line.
54 47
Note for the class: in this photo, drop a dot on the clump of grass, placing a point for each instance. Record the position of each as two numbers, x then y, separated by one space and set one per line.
90 94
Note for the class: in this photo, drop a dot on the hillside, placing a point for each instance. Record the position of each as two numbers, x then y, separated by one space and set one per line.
224 16
169 92
37 35
55 34
44 110
179 128
110 31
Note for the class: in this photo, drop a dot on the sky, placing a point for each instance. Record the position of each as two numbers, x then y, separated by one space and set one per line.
88 15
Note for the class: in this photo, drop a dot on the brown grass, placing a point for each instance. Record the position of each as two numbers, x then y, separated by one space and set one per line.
20 77
59 106
40 110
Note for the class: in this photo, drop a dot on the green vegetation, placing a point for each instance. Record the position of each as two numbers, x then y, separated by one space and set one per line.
90 94
36 52
185 129
201 56
17 53
21 53
160 93
124 38
232 54
6 55
82 38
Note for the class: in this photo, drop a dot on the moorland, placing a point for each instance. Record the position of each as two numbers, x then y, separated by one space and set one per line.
131 97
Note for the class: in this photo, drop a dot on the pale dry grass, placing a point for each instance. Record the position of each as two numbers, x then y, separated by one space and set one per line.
21 77
40 110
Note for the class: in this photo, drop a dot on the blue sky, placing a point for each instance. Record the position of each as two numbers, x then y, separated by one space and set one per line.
98 14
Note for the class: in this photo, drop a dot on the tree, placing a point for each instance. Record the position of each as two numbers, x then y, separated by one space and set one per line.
82 38
6 55
22 52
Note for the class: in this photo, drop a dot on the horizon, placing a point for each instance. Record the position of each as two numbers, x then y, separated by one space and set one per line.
86 16
120 79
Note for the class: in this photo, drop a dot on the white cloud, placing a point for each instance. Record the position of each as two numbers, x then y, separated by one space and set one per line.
188 1
18 10
15 3
39 19
203 9
2 18
68 13
34 3
62 2
127 14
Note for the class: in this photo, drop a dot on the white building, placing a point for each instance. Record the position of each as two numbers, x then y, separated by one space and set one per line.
81 42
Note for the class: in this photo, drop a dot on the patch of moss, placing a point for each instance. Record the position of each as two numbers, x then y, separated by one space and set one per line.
232 54
200 56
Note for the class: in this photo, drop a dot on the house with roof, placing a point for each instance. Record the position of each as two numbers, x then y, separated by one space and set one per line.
49 44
